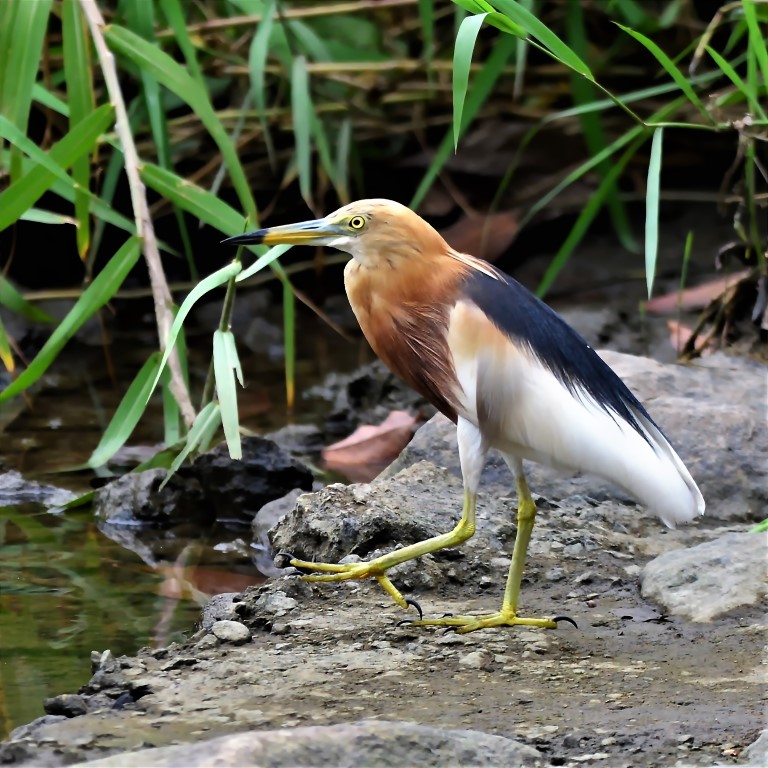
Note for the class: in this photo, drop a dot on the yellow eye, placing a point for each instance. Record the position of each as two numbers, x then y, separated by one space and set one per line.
357 222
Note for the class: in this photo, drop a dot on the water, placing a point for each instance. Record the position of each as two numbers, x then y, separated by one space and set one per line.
66 588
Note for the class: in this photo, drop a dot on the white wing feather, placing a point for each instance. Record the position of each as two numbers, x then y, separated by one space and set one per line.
523 409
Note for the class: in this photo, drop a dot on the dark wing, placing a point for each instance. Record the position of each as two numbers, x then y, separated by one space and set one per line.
529 322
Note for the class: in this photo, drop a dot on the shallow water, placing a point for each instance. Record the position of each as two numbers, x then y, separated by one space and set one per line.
67 588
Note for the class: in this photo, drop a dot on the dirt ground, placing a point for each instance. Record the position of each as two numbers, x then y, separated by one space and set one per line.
627 688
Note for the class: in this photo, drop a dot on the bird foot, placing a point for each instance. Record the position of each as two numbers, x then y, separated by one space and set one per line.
345 572
464 624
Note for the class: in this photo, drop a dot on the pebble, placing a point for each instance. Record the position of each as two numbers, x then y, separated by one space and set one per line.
480 659
276 603
555 574
231 632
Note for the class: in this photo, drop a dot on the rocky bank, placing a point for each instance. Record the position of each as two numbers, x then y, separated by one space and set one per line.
667 666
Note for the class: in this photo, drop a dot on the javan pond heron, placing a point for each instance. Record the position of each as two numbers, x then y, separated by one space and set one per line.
503 366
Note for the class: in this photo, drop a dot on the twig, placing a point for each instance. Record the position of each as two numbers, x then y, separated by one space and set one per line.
160 292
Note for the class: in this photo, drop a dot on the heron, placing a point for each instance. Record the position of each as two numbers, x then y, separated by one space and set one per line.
504 367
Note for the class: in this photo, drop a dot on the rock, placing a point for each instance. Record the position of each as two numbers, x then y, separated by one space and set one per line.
14 489
218 608
374 744
136 499
271 513
231 632
757 752
724 446
214 487
702 583
275 603
365 396
342 520
481 659
67 704
298 439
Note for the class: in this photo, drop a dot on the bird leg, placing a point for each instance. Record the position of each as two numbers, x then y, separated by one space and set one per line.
377 568
507 616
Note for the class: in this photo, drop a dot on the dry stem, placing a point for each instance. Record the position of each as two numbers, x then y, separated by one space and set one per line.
144 228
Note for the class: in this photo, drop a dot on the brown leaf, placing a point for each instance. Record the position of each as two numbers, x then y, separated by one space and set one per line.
694 298
486 237
371 445
679 335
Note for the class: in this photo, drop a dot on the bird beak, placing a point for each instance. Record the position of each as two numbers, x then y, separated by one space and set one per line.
315 232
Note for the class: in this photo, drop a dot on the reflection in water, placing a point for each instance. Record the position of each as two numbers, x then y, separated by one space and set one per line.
66 589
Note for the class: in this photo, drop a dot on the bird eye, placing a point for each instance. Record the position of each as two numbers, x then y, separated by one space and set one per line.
357 222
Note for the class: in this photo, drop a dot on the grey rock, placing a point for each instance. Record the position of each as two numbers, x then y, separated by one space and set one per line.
298 439
14 489
231 632
213 487
218 608
712 411
67 704
374 744
703 582
480 659
757 752
272 512
275 603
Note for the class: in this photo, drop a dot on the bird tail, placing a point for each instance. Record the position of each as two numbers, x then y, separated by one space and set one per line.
677 499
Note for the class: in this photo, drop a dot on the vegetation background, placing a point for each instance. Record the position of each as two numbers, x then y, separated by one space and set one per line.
136 134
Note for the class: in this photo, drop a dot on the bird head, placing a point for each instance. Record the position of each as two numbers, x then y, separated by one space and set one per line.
374 232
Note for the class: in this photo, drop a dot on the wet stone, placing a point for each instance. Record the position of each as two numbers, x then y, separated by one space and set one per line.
231 632
67 704
477 660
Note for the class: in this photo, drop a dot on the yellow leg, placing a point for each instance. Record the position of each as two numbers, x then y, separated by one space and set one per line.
377 568
507 616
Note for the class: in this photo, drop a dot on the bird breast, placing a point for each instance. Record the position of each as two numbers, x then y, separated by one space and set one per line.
406 326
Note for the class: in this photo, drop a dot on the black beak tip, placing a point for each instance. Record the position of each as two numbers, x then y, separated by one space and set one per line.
249 238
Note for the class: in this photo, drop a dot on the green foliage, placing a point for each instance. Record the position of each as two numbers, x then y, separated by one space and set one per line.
750 94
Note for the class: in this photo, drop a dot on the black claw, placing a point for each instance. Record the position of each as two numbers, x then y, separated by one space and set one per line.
565 618
283 560
403 622
408 601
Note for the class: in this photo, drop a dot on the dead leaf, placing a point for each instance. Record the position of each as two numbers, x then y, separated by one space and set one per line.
371 445
679 335
486 237
694 298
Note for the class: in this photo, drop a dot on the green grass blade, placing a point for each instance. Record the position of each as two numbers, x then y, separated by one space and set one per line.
13 300
301 109
741 86
174 77
482 86
193 199
652 194
43 96
41 216
6 354
586 217
77 71
592 126
672 70
257 68
21 60
289 343
541 32
757 41
462 61
174 15
171 412
80 140
224 368
206 285
427 18
343 147
127 415
95 296
263 261
203 429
